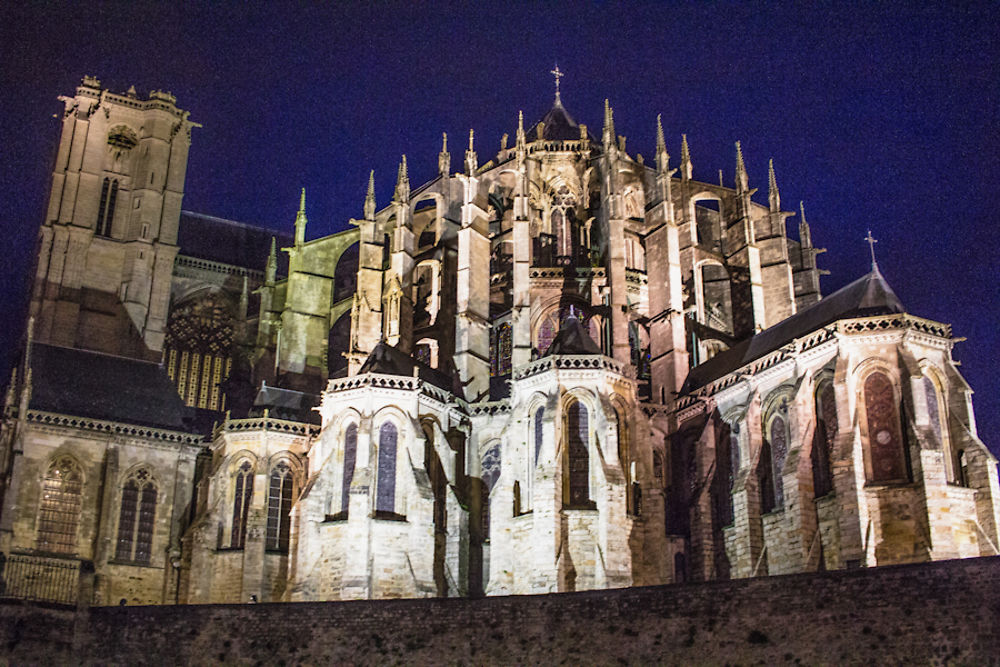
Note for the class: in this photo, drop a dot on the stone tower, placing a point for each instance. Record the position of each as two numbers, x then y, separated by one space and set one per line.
109 239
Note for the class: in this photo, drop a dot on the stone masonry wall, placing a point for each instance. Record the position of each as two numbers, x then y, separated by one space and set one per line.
946 612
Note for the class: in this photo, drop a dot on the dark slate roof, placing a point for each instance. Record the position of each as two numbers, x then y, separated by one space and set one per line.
229 242
559 126
103 386
287 404
866 296
388 360
572 339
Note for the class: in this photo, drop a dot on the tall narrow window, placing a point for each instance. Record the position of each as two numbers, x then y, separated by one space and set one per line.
350 458
933 410
106 211
279 508
962 468
777 434
539 415
491 473
136 518
765 479
578 432
726 464
885 438
241 504
504 349
385 495
59 513
824 436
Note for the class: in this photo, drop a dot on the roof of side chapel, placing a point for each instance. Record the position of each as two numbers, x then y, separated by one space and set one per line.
867 296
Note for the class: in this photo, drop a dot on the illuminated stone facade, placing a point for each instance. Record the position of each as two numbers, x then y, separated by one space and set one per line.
561 369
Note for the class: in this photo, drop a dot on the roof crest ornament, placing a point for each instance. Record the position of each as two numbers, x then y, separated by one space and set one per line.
871 247
558 75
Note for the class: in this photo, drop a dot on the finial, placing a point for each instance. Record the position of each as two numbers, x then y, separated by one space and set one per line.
402 193
805 236
558 75
471 161
685 158
609 124
802 211
741 170
300 220
472 135
661 143
662 157
773 198
369 209
871 246
444 157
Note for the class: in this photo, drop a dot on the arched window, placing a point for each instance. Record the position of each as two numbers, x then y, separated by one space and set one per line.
491 473
933 410
198 350
106 211
243 492
885 437
824 436
539 415
385 493
658 467
777 439
578 455
727 457
505 346
136 519
59 511
279 508
350 458
554 319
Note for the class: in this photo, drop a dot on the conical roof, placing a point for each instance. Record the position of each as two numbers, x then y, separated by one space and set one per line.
388 360
559 126
572 339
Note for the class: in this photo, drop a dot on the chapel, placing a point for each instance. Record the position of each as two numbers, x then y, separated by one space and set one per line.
551 367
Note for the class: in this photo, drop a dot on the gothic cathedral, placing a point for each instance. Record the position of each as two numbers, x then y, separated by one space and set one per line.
559 369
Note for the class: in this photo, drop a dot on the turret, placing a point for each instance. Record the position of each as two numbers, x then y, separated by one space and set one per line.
300 221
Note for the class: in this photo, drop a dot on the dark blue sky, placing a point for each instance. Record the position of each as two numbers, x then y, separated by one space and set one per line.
879 115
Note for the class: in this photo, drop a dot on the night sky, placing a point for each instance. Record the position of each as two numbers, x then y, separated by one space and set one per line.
881 116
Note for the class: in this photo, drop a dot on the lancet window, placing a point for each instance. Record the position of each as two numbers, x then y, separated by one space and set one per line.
136 518
885 435
385 494
106 211
242 494
578 455
279 507
502 349
350 458
824 436
776 436
59 512
491 474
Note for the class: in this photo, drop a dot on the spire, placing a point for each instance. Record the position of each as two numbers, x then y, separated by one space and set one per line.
742 181
662 157
805 236
271 268
685 158
369 209
402 183
444 157
471 160
773 198
300 220
609 124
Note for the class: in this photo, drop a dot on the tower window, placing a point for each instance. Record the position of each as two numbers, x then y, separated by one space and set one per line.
106 210
385 494
136 518
59 513
279 507
241 504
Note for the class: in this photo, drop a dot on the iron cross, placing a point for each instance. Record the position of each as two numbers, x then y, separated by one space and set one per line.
871 245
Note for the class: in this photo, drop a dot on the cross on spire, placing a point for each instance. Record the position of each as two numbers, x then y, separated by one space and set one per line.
871 246
558 75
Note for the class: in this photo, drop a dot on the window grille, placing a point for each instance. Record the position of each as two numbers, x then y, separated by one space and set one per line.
59 512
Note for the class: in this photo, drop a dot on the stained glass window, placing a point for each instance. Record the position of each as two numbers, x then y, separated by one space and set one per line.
933 410
579 455
59 512
422 352
779 450
202 331
279 507
824 435
385 495
765 478
144 531
505 346
539 415
136 518
885 438
350 457
241 504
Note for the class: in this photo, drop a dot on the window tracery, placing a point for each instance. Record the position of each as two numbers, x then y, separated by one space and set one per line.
243 492
198 349
136 518
279 507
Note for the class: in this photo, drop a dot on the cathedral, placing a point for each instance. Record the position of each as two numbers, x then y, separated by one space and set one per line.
553 368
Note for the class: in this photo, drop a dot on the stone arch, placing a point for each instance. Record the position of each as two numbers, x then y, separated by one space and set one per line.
883 436
709 228
776 429
712 293
579 409
429 234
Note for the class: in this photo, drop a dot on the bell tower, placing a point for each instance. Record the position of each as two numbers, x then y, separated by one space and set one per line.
108 242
